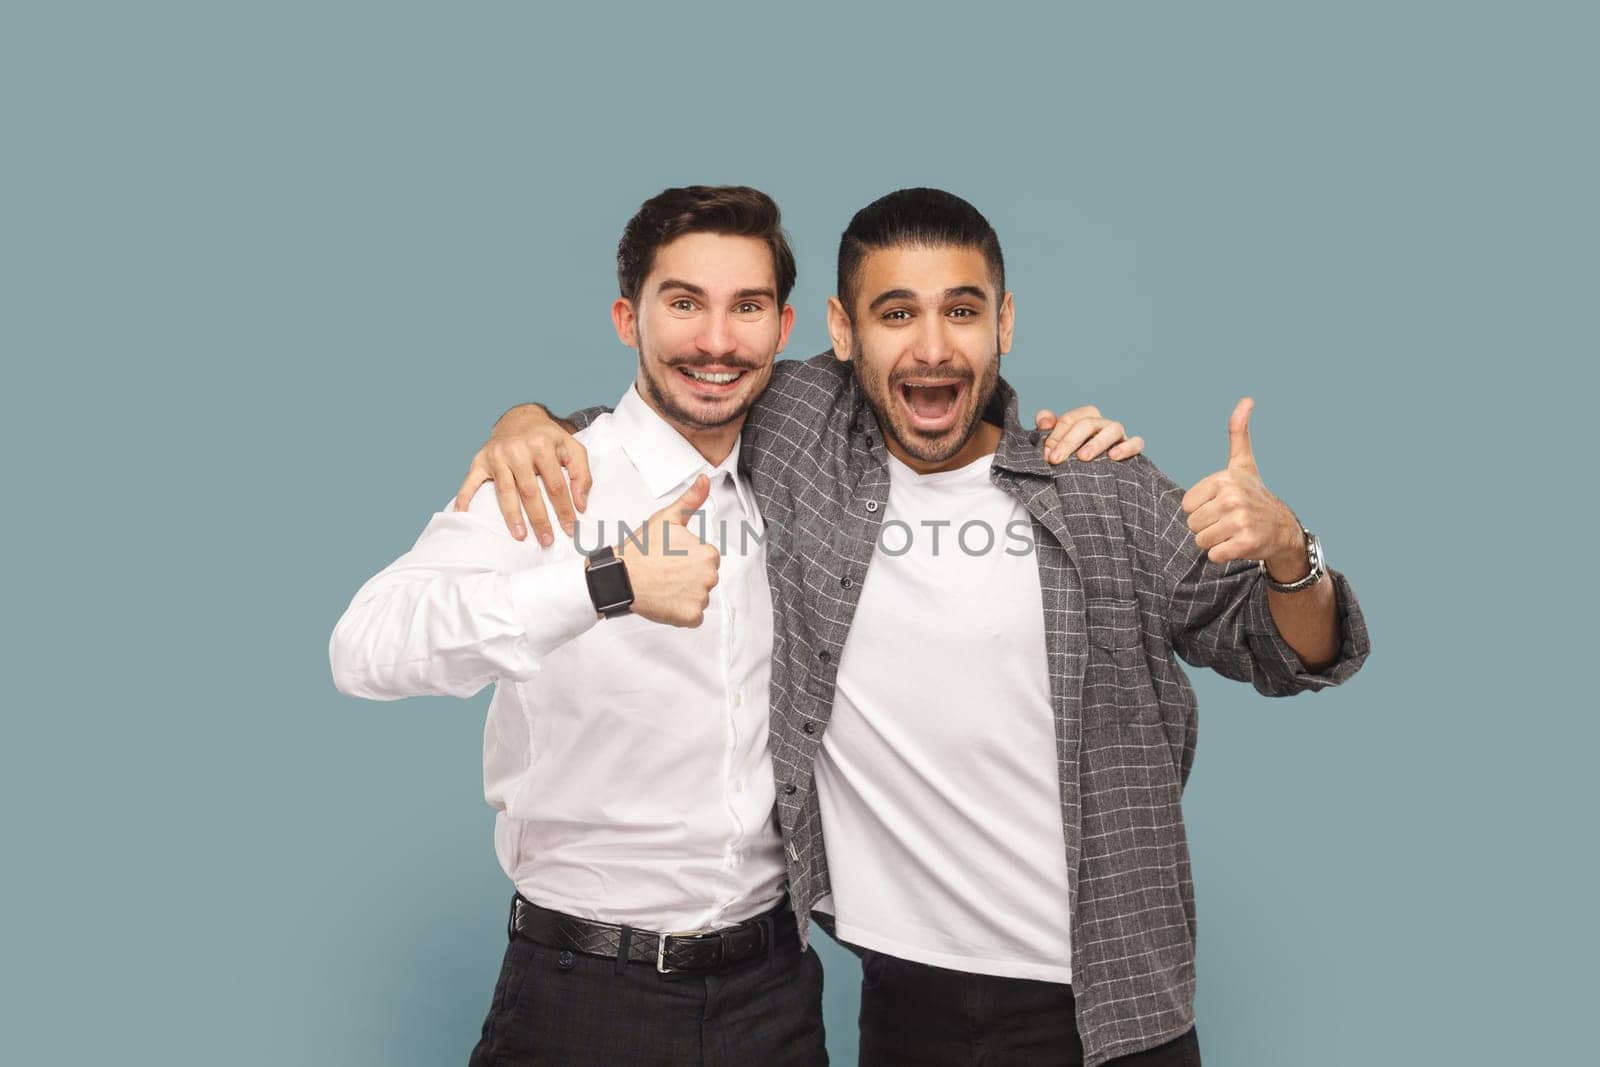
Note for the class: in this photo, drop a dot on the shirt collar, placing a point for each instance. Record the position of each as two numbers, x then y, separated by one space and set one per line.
663 457
1019 449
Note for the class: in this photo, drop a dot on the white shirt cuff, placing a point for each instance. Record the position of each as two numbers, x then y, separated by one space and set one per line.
553 603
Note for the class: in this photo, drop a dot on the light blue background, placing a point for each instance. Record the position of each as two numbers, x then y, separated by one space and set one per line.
270 270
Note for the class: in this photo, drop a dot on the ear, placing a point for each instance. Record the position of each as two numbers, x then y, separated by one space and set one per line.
839 330
785 324
626 322
1008 320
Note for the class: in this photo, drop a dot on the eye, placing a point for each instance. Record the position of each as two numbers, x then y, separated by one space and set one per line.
963 313
682 303
749 307
897 315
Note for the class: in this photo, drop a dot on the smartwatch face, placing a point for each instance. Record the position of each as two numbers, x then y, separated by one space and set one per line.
608 586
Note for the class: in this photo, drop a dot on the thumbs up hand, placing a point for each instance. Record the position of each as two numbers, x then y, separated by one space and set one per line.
671 570
1233 516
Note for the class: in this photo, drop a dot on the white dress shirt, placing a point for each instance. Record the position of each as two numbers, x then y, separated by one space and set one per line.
627 760
937 776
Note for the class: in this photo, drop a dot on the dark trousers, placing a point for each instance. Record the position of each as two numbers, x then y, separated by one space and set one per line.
920 1016
568 1009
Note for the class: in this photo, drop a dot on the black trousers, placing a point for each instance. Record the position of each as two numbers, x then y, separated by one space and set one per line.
568 1009
920 1016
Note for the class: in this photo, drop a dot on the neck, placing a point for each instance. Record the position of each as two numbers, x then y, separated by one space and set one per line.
714 443
984 441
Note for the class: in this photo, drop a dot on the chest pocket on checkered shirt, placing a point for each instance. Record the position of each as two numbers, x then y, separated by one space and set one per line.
1116 686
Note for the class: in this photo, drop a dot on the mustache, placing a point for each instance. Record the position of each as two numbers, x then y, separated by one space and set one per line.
696 362
949 374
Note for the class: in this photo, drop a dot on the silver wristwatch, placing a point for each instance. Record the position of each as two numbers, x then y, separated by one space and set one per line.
1318 568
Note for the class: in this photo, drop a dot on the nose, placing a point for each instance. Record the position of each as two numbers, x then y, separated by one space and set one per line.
716 335
931 346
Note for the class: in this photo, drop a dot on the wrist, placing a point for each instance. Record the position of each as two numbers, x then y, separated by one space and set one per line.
523 409
1288 572
1291 561
1289 568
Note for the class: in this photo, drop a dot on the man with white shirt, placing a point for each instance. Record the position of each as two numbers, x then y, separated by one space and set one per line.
981 743
626 749
628 760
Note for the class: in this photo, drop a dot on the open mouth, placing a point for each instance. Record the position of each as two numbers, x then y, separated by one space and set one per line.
931 407
711 382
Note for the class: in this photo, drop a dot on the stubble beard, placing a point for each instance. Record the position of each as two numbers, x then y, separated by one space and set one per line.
922 449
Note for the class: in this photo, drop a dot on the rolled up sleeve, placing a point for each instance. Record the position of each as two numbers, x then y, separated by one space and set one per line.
1217 614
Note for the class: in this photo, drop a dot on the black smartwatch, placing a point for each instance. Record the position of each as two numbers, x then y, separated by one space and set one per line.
609 587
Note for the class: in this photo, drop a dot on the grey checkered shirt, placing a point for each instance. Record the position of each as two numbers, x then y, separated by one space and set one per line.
1126 592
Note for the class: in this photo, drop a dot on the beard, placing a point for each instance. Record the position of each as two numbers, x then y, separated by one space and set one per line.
920 446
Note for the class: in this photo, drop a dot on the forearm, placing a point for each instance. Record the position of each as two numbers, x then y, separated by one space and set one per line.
1308 622
437 636
1227 618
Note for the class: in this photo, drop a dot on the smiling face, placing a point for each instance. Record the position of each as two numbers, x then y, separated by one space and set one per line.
925 337
707 325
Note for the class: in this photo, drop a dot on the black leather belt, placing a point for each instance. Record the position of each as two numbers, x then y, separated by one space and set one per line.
698 951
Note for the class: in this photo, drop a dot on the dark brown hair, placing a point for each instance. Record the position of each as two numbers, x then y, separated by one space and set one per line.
733 210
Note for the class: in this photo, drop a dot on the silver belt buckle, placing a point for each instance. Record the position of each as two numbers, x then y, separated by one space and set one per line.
661 947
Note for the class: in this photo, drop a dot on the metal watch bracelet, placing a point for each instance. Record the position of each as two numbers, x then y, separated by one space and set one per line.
1318 567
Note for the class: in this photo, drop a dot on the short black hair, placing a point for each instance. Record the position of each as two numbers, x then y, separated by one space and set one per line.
731 210
929 218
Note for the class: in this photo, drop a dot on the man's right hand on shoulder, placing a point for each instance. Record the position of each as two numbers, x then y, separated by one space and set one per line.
529 446
671 570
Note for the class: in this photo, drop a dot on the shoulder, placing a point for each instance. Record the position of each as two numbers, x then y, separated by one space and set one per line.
603 444
796 381
1135 487
599 434
476 538
800 398
609 466
1146 499
1139 476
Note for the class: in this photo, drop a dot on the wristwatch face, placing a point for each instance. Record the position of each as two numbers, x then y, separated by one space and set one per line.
609 587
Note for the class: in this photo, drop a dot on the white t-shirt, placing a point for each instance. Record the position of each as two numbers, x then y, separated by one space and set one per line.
937 776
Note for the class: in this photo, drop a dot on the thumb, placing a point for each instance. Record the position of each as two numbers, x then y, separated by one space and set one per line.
679 510
1239 451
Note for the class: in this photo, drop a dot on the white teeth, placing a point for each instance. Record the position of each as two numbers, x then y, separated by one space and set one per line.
716 379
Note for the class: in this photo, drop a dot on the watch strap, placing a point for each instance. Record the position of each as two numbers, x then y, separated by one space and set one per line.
1318 567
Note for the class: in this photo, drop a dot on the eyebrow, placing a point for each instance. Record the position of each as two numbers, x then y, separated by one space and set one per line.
949 294
668 284
674 283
